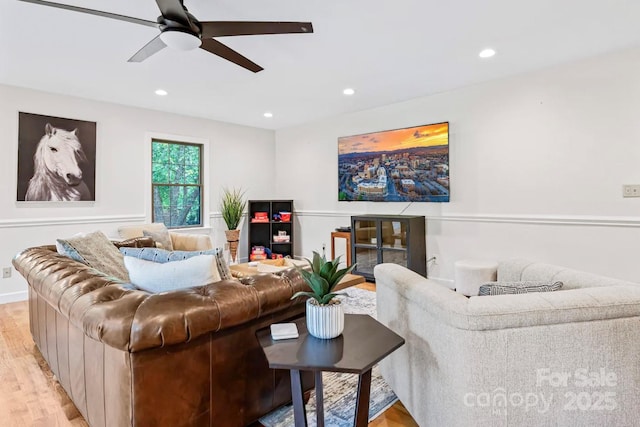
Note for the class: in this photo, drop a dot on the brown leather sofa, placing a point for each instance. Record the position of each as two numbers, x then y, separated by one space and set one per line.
184 358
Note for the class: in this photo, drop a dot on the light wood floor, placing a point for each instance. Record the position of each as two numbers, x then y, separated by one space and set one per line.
31 397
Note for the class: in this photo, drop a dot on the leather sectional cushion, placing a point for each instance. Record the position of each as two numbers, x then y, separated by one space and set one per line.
136 242
131 231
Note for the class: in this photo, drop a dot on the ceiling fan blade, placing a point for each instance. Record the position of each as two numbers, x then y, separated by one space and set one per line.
95 12
151 48
247 28
223 51
173 10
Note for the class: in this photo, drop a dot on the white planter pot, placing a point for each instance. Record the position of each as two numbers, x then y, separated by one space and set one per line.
325 321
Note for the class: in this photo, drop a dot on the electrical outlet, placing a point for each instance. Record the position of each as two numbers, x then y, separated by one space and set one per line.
6 272
631 190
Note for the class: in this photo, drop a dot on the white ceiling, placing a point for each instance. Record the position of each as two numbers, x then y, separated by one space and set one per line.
388 51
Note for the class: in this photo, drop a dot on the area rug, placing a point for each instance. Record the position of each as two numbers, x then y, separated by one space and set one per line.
340 389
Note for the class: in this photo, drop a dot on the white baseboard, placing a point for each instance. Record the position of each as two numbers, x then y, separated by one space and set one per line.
13 297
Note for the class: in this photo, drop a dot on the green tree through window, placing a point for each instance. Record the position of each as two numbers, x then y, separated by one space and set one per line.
176 183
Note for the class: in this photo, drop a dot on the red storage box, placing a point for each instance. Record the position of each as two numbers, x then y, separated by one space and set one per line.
285 216
260 217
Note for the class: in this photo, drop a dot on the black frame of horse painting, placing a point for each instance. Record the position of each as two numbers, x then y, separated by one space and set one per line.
56 159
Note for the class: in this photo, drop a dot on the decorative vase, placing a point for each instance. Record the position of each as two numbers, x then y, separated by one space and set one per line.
233 237
325 321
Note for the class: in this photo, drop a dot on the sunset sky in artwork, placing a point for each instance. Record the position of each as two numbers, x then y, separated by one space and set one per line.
419 136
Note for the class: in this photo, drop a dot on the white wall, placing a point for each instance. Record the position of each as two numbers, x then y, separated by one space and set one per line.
537 167
239 157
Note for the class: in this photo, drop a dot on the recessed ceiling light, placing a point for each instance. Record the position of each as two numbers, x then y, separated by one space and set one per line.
487 53
349 91
268 115
161 92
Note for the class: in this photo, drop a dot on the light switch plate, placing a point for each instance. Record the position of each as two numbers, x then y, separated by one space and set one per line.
631 190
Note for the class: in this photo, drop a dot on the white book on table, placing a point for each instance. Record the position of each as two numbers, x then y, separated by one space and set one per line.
283 331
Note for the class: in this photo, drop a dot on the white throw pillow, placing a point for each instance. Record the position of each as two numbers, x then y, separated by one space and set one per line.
155 277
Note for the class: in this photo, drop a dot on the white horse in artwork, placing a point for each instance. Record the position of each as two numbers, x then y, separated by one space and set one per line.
57 175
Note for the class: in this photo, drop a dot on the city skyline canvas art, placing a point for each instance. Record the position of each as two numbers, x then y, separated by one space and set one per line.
400 165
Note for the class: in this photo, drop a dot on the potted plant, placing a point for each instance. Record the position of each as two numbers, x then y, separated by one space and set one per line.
325 314
232 208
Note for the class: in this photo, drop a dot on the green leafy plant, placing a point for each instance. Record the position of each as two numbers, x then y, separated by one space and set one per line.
232 207
322 278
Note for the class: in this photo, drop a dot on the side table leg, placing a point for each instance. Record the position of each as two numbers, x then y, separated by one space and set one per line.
362 405
300 415
333 246
319 400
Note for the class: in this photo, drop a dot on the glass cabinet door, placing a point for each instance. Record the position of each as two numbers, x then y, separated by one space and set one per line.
394 234
365 232
394 256
366 259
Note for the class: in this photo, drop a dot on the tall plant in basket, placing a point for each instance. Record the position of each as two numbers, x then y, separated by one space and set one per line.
232 207
325 314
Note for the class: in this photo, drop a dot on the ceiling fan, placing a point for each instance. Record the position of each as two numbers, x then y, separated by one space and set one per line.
181 30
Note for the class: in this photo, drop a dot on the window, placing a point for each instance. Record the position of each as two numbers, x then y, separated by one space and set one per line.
176 183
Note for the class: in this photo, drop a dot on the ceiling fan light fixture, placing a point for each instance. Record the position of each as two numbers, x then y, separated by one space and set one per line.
180 30
180 40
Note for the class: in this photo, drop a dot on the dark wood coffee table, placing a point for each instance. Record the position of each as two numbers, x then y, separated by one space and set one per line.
363 343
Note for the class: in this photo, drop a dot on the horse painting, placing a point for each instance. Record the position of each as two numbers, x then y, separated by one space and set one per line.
57 174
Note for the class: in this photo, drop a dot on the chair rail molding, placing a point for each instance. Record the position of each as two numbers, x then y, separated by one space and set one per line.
40 222
577 220
218 214
331 214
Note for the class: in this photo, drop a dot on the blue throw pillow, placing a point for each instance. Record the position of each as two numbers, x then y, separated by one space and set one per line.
162 256
64 248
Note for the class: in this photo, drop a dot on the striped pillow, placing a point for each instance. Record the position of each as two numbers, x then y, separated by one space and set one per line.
504 288
162 256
